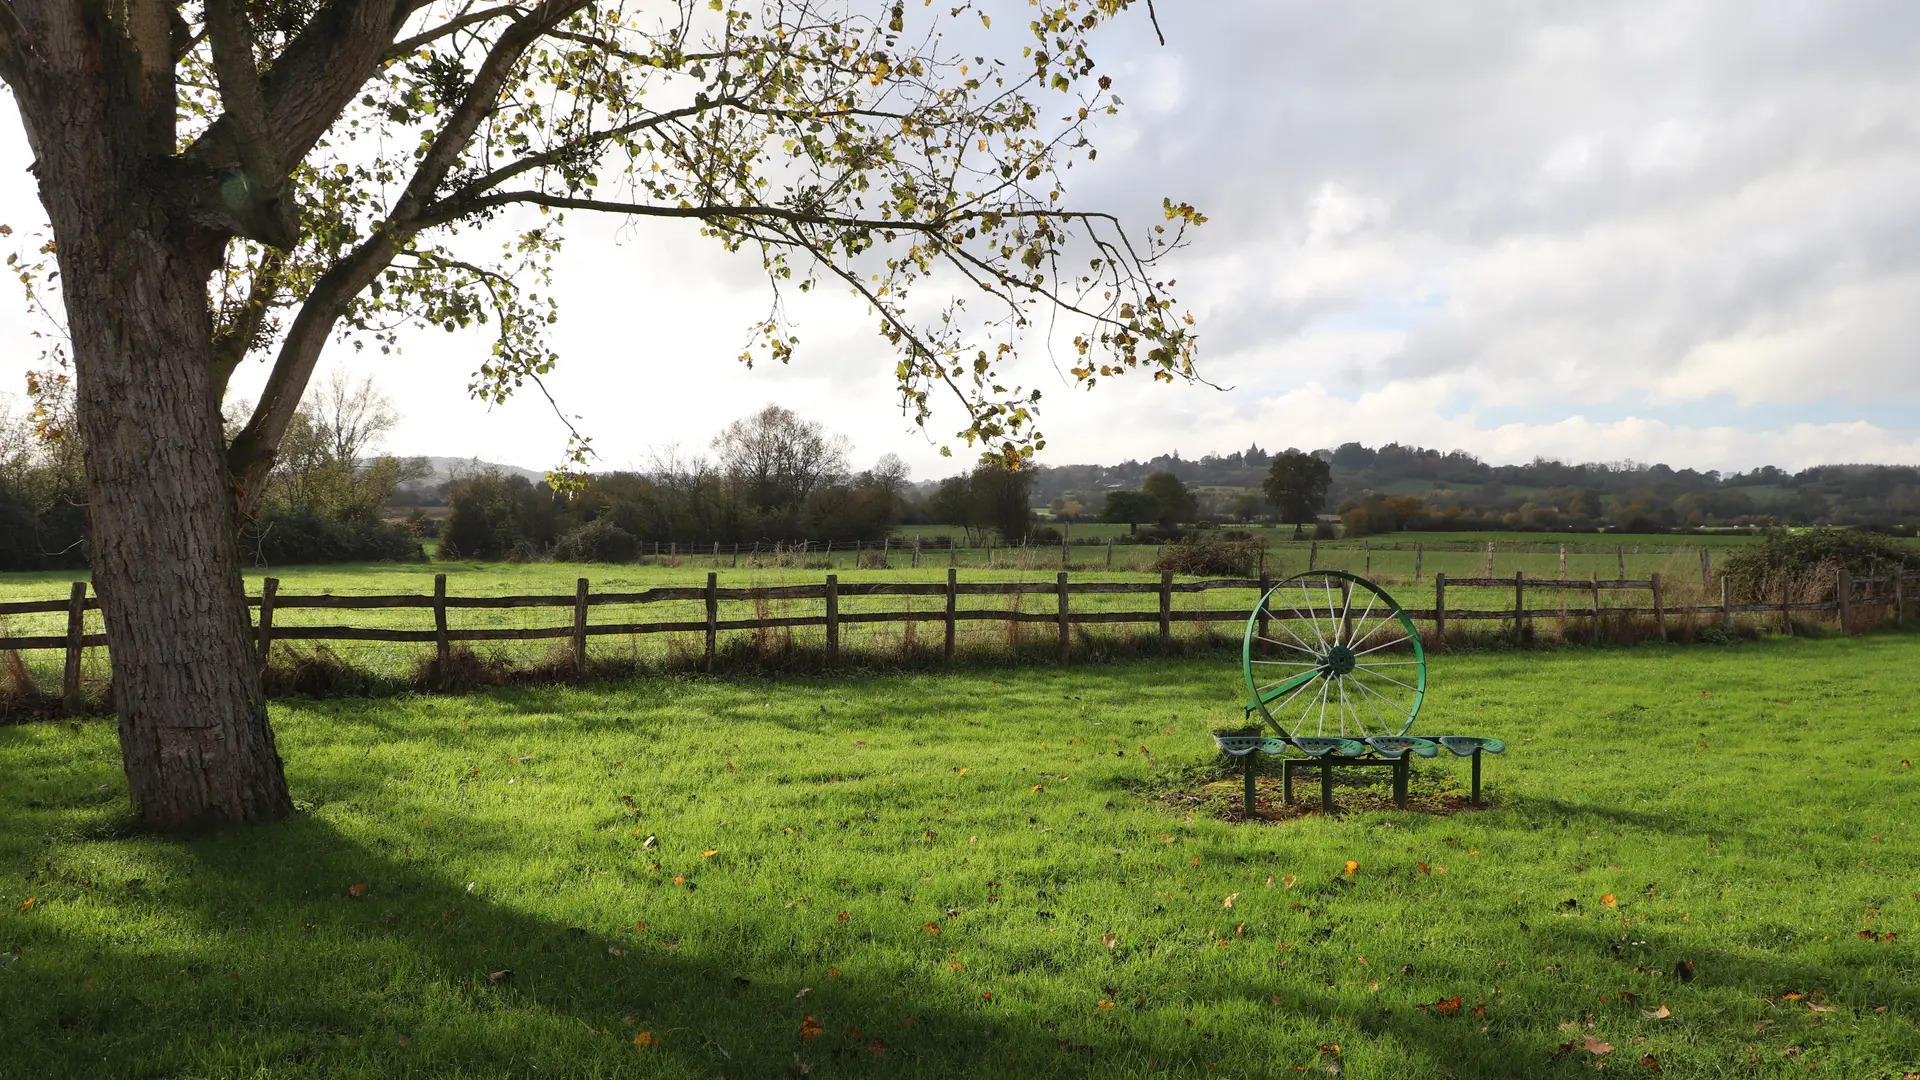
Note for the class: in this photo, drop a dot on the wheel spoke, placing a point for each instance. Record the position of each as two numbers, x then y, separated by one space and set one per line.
1386 728
1288 663
1384 644
1345 623
1386 619
1305 712
1371 597
1322 731
1312 620
1297 648
1390 702
1286 684
1343 712
1282 707
1387 677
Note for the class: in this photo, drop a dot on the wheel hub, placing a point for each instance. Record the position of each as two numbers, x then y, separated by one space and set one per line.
1338 661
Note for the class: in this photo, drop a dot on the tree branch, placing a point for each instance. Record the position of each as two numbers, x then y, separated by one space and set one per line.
254 193
452 26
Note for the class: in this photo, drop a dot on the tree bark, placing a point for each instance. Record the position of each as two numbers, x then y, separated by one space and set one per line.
195 741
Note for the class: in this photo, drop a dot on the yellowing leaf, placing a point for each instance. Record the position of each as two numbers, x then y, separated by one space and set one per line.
1661 1013
1106 1004
709 853
836 972
646 1040
963 770
931 928
358 890
27 904
1228 902
1288 881
1609 900
1109 939
1352 867
811 1029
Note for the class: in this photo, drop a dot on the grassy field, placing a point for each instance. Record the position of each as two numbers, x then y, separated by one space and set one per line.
1696 859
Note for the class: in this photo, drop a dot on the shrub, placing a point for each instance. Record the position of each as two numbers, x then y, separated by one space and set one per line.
1810 561
1210 555
285 537
597 541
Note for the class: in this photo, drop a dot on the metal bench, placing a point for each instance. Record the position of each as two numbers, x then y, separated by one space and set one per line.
1306 651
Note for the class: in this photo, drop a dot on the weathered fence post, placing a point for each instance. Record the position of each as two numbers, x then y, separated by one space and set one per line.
1265 620
442 647
1726 604
1563 562
833 619
1419 557
1367 546
953 595
1489 558
1519 607
713 619
1843 600
268 590
1440 610
1595 628
1659 609
1109 552
76 635
1166 609
1706 568
1066 640
916 553
1899 598
953 553
1313 555
1620 553
736 556
1786 606
580 628
1063 554
1261 567
886 553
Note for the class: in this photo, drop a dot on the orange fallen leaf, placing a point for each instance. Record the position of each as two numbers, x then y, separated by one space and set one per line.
641 926
842 917
879 1046
1106 1004
1447 1006
963 770
931 928
986 995
358 890
1661 1013
1609 900
1792 995
1598 1048
27 903
1038 788
1109 939
646 1040
679 880
1424 868
1287 882
836 972
1352 867
811 1029
710 853
1228 902
1652 1063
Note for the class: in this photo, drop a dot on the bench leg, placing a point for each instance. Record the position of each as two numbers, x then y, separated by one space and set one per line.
1246 767
1286 781
1326 787
1400 781
1476 776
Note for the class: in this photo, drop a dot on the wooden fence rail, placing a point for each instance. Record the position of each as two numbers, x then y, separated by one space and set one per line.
832 592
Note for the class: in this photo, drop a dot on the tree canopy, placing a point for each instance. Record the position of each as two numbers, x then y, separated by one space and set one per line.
1297 486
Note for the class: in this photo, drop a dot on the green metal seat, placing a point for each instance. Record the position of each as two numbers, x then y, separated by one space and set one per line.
1319 746
1392 746
1242 745
1468 745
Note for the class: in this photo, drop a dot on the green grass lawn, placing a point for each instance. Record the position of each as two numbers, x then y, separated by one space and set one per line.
978 873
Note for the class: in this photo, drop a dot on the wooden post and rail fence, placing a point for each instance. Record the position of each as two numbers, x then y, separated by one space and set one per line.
443 636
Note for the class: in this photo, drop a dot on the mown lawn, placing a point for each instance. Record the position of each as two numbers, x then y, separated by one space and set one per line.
974 873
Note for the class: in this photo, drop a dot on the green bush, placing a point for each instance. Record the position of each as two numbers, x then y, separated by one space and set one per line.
289 537
597 541
1808 561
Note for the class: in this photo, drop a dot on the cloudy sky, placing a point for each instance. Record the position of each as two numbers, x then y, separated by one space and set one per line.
1675 230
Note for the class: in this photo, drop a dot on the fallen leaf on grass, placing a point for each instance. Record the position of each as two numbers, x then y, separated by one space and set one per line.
877 1046
649 841
1684 971
1792 995
1038 788
1424 868
1660 1013
1106 1004
615 950
1352 867
1287 882
679 880
1447 1006
811 1029
931 928
1597 1048
28 903
1109 939
357 890
710 853
1228 902
1652 1063
1609 900
646 1040
836 973
1817 1007
500 976
963 770
842 917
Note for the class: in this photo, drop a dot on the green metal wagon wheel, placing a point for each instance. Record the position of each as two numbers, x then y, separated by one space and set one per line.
1339 658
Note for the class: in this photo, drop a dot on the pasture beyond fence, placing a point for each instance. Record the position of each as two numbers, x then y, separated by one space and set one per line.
1044 603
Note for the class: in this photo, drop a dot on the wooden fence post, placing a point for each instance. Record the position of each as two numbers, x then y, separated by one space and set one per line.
1066 639
833 619
713 619
1166 609
1261 568
264 640
1726 604
1419 557
580 628
1899 598
953 553
1659 609
916 553
1595 628
1109 552
736 556
953 595
1563 562
442 648
1519 606
1367 546
1313 555
1843 600
70 699
1489 559
1063 554
1620 553
1706 568
1786 608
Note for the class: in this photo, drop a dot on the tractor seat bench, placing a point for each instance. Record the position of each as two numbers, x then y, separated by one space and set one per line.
1326 752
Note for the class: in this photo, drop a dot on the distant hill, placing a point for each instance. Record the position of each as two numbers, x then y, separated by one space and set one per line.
445 468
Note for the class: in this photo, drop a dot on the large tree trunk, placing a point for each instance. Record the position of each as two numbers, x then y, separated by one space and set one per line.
194 736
